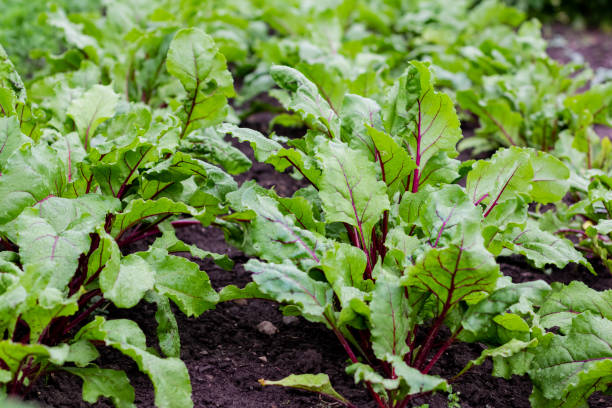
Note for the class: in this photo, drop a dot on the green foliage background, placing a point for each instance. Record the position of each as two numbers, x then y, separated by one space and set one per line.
20 33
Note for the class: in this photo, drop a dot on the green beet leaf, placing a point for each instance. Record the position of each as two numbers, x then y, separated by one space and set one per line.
305 100
91 109
182 281
349 191
169 375
196 62
99 382
288 284
569 368
126 283
561 305
310 382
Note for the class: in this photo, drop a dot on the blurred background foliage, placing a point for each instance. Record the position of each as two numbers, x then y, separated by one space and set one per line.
21 33
582 12
24 35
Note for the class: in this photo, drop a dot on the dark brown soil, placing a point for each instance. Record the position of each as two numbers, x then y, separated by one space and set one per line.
226 354
593 45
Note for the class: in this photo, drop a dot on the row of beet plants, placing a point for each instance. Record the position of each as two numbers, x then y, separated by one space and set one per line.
490 58
389 252
83 175
386 247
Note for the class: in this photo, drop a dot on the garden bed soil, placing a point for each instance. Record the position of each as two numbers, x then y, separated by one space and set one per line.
226 353
593 46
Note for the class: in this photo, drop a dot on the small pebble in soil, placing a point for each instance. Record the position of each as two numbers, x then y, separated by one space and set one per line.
267 327
241 302
263 358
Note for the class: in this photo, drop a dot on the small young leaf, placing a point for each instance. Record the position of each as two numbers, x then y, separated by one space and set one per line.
310 382
91 109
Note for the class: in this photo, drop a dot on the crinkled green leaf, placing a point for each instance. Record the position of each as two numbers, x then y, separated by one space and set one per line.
305 100
51 304
140 210
409 380
412 381
262 146
496 117
390 318
596 101
478 323
425 119
500 355
11 139
196 62
14 353
512 322
209 145
182 281
172 244
550 178
273 235
29 176
349 189
287 284
569 368
395 160
126 284
564 302
356 116
344 267
270 151
250 291
365 373
57 232
445 215
82 353
9 77
117 170
301 209
167 328
543 248
454 273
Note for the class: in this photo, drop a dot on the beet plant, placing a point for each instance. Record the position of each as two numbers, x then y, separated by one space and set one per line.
84 176
389 252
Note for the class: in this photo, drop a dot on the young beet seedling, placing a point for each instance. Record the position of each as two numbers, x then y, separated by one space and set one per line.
383 248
